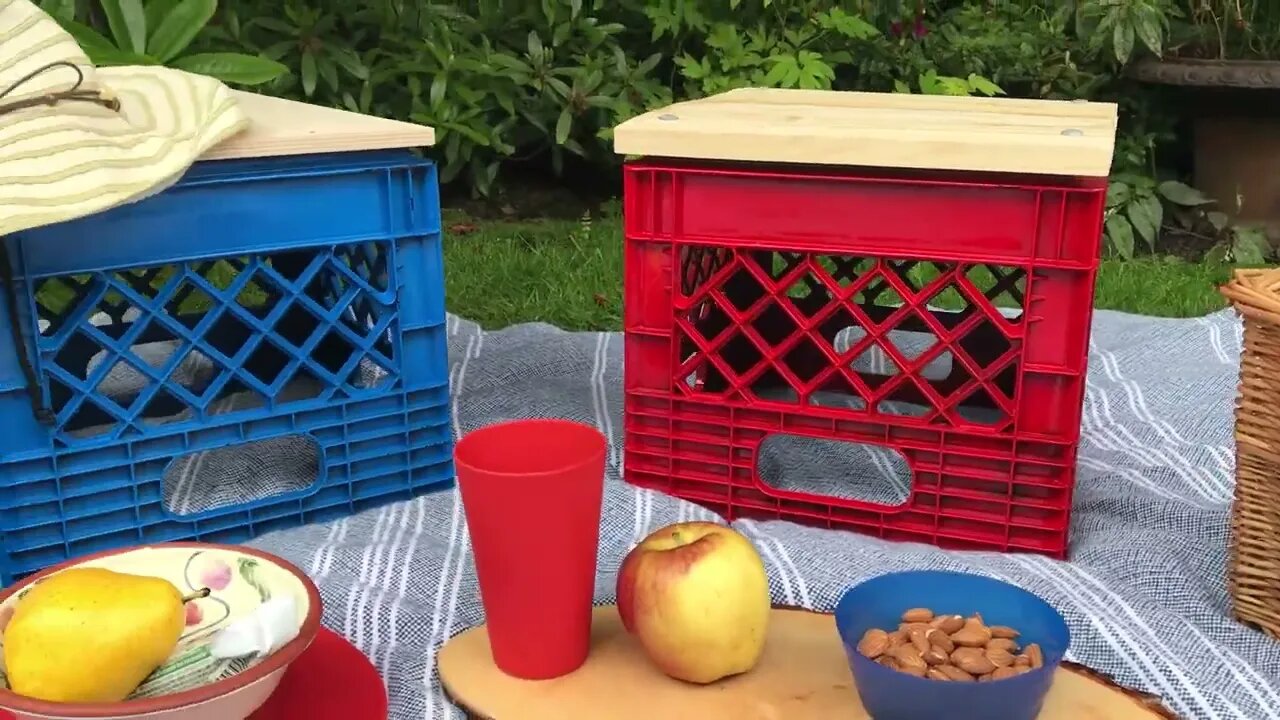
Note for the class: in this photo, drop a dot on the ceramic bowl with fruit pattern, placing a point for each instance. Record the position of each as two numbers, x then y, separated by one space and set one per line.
192 684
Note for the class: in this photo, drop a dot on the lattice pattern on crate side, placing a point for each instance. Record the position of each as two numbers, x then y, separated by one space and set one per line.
968 490
935 341
88 499
125 351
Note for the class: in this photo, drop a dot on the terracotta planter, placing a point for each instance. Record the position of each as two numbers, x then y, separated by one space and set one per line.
1235 110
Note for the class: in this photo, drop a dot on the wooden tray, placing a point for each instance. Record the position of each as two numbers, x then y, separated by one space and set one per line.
803 675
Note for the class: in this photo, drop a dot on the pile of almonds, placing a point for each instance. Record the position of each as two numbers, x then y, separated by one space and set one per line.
950 648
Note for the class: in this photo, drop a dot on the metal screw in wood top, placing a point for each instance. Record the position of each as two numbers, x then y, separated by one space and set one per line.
1073 132
668 117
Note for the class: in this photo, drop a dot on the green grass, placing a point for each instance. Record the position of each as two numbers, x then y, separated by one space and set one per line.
569 274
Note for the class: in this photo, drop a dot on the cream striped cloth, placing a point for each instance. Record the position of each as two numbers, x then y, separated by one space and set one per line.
77 158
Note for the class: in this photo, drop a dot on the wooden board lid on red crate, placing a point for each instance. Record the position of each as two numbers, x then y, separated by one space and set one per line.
887 130
280 127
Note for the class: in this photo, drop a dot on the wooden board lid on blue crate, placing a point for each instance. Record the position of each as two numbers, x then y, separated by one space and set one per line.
887 130
280 127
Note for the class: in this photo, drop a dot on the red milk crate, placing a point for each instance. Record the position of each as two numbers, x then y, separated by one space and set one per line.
795 273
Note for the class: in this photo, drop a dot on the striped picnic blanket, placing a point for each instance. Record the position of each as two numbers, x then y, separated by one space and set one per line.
1144 591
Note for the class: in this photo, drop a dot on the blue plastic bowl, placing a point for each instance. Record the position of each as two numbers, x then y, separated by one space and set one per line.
891 695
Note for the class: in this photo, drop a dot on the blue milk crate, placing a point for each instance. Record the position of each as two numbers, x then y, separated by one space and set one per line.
272 305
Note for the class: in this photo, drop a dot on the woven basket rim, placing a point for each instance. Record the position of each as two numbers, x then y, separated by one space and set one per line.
1255 293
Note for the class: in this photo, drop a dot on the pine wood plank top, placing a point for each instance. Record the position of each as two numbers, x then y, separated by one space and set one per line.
891 130
286 127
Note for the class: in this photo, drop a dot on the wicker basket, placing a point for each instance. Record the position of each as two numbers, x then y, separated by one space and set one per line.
1255 546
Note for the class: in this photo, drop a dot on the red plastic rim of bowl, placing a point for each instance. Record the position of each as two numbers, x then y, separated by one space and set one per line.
277 660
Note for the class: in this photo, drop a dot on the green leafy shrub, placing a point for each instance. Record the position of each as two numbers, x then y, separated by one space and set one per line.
156 32
499 81
1216 29
725 44
544 81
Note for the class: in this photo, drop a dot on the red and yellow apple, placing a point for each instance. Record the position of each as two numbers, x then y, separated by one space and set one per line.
695 595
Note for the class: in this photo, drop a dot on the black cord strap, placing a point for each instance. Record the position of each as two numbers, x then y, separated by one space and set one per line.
98 97
43 414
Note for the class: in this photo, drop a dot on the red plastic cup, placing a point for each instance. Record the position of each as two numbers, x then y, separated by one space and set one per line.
532 490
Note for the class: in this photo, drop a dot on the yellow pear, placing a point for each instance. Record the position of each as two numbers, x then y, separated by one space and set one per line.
91 635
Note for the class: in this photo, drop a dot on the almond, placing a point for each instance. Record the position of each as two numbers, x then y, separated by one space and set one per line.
935 656
897 637
916 667
1035 655
1004 632
999 657
1004 644
955 673
1001 673
940 640
950 648
948 623
874 643
917 615
972 661
909 660
919 640
974 634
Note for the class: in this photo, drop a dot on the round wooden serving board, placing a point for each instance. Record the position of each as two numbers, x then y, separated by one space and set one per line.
803 674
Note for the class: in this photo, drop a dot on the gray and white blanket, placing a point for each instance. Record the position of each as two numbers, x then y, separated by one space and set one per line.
1144 591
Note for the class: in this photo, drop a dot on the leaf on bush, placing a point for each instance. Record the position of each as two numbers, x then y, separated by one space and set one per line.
328 71
980 84
1120 234
349 61
1143 223
99 49
559 86
1217 219
1155 210
851 26
563 126
439 85
1149 23
61 10
274 24
1217 255
232 68
128 22
1181 194
179 28
1118 193
1122 42
784 73
1250 246
308 74
155 12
